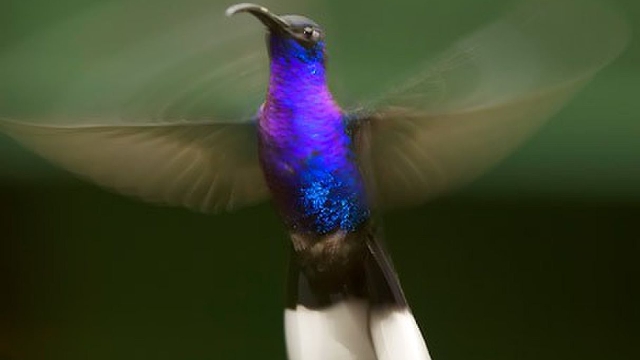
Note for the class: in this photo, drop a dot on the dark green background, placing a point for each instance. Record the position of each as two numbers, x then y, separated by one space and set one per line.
536 260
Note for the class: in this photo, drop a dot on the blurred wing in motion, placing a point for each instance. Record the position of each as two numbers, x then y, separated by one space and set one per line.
482 97
204 167
151 98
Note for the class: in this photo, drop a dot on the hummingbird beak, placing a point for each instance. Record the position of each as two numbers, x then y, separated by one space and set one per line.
275 23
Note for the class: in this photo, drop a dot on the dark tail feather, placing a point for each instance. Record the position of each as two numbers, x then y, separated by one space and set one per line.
383 285
349 304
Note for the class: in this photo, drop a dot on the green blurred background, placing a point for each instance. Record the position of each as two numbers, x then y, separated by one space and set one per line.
537 259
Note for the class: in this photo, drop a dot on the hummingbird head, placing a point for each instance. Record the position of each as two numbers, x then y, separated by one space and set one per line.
289 35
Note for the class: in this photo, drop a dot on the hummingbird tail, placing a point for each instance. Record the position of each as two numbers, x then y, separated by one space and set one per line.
354 309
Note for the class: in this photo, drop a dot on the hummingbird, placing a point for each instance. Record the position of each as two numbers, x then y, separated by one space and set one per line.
331 170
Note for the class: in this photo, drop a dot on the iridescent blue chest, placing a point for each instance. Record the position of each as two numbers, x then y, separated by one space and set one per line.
305 151
314 179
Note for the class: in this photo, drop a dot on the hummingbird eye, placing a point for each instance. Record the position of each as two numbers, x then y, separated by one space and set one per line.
311 33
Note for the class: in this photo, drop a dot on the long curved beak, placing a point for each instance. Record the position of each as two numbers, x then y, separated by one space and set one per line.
271 20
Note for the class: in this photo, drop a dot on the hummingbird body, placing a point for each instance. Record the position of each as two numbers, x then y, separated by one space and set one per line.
305 151
340 280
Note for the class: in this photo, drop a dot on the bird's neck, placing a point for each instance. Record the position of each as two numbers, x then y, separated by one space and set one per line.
298 93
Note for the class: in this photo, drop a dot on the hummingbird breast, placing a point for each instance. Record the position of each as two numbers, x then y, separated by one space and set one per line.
310 168
305 152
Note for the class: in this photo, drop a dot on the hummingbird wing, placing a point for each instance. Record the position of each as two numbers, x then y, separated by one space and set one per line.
147 98
204 167
483 96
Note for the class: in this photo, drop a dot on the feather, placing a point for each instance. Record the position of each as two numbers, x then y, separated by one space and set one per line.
480 99
204 167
